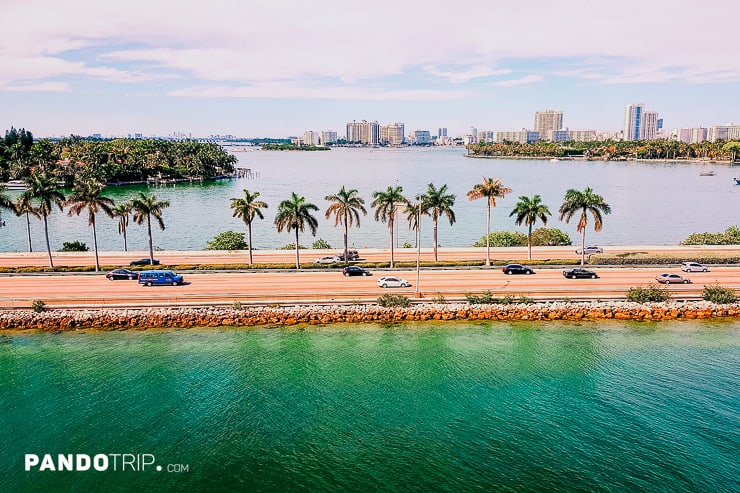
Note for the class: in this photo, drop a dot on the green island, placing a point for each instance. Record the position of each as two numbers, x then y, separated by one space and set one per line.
611 150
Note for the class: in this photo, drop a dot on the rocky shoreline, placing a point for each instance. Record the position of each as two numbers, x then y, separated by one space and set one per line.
150 318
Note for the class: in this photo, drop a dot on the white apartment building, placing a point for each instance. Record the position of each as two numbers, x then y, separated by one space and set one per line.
723 132
547 121
522 136
392 134
690 135
310 138
421 137
486 136
363 132
328 137
639 124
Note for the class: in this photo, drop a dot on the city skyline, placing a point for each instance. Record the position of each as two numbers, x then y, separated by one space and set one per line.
259 69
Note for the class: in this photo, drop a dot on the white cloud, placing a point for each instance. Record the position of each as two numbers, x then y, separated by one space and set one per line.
529 79
39 87
292 91
307 43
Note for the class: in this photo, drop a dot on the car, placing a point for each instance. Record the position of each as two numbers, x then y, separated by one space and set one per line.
672 279
393 282
694 267
160 277
354 270
578 273
144 261
590 249
516 269
351 255
329 259
118 274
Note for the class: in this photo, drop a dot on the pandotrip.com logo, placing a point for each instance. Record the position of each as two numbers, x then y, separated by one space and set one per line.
99 463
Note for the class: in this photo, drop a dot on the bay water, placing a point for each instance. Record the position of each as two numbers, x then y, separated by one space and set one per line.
657 203
559 407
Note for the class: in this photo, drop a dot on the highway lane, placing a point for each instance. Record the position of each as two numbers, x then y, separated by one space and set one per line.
309 256
328 286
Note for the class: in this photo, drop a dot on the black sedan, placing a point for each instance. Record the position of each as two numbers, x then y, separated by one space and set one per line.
144 261
579 273
353 270
517 269
118 274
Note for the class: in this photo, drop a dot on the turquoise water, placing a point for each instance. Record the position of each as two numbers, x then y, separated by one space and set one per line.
416 407
641 195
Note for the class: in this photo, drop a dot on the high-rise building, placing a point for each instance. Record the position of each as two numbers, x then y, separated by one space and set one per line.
546 121
363 132
473 135
723 132
442 132
392 134
328 137
486 135
640 124
310 138
422 137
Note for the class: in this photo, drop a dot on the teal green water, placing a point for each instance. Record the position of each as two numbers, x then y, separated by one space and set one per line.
418 407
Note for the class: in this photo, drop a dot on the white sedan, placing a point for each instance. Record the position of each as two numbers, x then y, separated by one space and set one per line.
330 259
393 282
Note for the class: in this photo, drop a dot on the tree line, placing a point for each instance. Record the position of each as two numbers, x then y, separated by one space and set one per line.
73 159
611 149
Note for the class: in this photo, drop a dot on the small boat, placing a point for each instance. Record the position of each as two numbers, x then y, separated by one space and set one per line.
707 173
15 185
554 160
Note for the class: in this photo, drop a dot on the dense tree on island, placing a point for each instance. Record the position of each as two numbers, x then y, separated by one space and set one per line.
528 211
44 188
294 214
247 208
385 204
490 189
584 202
87 195
436 203
346 207
122 212
145 207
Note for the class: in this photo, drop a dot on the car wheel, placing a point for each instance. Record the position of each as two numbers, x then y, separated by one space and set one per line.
685 281
365 273
404 285
148 284
528 272
346 274
705 270
383 285
593 276
508 272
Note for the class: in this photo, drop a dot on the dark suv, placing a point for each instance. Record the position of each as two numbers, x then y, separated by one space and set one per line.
353 270
516 269
351 255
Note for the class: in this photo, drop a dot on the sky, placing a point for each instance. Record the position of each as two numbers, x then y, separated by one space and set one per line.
277 68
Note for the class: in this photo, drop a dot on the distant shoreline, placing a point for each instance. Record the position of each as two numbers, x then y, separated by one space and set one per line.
583 158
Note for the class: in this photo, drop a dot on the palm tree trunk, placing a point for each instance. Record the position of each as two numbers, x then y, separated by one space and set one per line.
95 243
583 246
28 230
297 255
390 227
249 234
529 241
48 245
488 236
149 232
125 244
435 237
346 252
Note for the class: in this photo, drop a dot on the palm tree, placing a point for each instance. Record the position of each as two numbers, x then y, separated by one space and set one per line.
413 211
527 211
385 208
436 203
144 207
87 195
247 208
490 189
585 202
25 206
122 212
45 189
295 214
346 208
